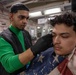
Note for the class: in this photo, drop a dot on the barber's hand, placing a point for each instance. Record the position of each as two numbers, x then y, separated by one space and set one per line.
42 44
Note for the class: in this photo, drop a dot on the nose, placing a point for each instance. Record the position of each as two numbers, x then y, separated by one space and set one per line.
24 21
56 40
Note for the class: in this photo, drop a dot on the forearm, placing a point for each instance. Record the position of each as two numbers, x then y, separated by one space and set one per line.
26 56
11 63
9 60
14 62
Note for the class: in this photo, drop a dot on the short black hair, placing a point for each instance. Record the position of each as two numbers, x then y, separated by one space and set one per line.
18 6
67 18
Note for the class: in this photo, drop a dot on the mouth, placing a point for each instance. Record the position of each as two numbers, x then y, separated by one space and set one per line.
58 48
23 25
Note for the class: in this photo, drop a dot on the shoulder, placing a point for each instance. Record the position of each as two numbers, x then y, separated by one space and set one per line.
39 62
27 35
5 32
26 32
48 51
46 54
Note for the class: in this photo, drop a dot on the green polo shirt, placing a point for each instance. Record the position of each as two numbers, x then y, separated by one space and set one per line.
9 60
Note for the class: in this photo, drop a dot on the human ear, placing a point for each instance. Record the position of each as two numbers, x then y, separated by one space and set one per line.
11 16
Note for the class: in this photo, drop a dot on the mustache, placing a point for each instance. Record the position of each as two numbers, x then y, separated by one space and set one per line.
57 46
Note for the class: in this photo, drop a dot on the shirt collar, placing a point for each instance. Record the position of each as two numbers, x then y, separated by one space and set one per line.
14 29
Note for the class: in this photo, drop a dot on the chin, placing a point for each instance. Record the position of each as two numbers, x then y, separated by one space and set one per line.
59 53
21 28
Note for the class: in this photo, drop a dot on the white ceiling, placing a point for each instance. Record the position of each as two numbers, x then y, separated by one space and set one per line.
32 4
29 3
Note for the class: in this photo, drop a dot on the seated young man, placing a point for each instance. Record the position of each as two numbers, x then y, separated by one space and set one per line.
59 60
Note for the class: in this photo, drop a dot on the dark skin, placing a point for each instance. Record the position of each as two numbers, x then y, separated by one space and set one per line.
19 20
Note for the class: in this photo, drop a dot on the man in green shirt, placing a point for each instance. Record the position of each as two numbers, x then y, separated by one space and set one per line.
16 50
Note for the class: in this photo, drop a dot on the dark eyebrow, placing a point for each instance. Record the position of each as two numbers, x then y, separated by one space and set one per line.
64 33
24 16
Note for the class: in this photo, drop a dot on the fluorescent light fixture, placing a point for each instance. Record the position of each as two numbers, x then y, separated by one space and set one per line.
52 11
55 14
35 14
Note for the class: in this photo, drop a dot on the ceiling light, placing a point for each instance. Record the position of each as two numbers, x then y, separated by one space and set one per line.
35 14
52 11
55 14
38 27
